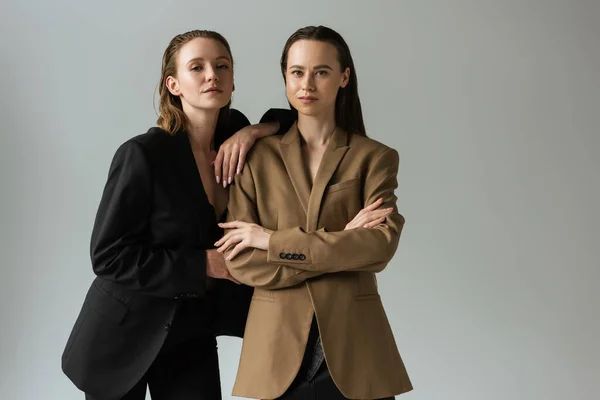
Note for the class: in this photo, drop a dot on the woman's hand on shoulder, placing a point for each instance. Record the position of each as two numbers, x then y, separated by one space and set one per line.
232 154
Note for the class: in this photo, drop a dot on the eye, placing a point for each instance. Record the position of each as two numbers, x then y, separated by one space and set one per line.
223 66
296 73
322 73
196 68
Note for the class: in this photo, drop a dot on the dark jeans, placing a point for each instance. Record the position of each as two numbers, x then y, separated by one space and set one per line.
187 366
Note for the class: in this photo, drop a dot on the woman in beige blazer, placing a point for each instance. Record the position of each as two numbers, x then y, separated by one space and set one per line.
312 219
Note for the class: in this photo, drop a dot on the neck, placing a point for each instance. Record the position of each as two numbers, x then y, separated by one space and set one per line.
201 128
316 130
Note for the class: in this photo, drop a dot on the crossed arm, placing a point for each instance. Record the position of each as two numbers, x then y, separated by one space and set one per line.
253 252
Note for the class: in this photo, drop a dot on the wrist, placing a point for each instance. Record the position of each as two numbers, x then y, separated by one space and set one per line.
264 129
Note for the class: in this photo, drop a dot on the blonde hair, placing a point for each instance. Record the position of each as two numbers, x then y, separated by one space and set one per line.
171 117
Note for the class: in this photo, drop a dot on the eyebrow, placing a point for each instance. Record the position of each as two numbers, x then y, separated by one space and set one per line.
320 66
202 59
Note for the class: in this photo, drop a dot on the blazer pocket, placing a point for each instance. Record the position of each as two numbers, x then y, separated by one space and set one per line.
106 305
263 295
367 297
336 187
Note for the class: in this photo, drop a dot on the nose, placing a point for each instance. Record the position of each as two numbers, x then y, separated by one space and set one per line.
211 74
308 83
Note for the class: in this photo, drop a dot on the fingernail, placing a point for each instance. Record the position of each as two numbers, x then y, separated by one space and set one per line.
218 179
224 183
230 178
238 171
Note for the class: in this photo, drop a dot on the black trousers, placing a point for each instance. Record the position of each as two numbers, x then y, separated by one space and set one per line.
313 381
319 387
187 366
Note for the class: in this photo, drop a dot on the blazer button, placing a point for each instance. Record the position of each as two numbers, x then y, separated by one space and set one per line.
295 256
282 256
302 257
288 256
167 327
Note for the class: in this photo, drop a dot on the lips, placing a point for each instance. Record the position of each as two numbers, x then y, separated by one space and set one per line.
307 99
212 89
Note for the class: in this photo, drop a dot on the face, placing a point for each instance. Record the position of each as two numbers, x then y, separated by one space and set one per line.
204 78
314 77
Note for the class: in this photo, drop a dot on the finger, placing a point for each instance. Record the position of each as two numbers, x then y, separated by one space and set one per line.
373 224
218 164
224 238
372 215
233 224
226 158
241 159
373 206
369 208
236 250
233 160
233 240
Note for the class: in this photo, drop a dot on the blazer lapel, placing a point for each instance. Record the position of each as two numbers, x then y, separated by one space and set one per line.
336 149
291 153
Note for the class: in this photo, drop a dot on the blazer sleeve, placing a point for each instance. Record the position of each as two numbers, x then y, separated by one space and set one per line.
360 249
120 248
225 129
251 266
286 118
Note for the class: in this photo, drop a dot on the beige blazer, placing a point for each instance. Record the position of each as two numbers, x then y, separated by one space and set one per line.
313 266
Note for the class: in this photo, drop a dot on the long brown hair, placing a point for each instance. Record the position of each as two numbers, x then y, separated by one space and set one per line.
171 117
348 112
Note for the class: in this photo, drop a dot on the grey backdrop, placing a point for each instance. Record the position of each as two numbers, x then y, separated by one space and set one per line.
494 107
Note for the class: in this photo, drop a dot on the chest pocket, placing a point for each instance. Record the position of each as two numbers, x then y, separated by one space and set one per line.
336 187
341 202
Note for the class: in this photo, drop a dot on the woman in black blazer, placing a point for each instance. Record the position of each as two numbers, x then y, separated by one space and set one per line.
162 292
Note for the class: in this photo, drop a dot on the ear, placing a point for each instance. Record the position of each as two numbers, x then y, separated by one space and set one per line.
173 85
345 77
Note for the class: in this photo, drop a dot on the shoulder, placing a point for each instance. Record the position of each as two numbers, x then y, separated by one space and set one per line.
370 148
237 119
146 146
154 140
228 126
265 149
285 117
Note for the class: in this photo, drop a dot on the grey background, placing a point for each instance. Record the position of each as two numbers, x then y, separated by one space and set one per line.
494 107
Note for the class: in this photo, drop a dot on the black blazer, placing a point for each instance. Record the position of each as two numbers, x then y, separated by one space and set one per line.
153 225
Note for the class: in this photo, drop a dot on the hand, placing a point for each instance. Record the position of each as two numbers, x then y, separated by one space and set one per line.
369 217
215 266
232 154
242 236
